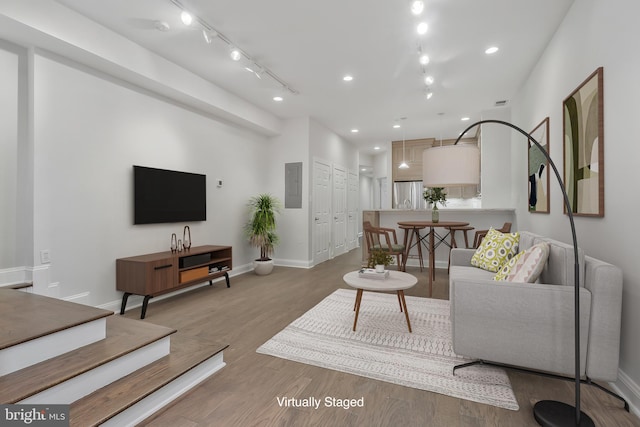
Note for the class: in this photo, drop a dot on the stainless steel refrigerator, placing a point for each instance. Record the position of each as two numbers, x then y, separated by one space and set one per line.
408 195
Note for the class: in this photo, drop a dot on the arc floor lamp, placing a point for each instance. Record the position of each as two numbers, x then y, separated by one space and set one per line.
455 164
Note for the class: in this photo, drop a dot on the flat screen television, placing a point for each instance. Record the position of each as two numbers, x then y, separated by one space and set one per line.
162 195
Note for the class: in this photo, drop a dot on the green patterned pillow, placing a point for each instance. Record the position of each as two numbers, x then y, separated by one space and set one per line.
496 249
506 268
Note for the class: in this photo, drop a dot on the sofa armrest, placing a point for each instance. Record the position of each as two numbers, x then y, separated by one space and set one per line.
520 324
604 281
461 256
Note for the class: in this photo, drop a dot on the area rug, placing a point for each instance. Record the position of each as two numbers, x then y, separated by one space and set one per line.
383 349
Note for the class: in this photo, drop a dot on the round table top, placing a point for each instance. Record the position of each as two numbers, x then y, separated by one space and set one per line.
397 281
424 224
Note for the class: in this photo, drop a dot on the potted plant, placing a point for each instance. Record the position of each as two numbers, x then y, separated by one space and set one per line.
435 195
261 230
379 259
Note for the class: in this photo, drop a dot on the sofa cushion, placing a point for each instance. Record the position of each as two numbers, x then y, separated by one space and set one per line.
526 266
496 249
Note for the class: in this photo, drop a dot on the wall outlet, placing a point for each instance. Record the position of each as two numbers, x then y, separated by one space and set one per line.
45 256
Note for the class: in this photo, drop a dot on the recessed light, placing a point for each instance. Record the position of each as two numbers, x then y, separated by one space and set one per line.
376 148
347 78
186 18
417 7
354 131
278 98
396 126
491 50
422 28
428 80
464 119
424 59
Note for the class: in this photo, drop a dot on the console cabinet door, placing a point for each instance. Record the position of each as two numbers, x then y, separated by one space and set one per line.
161 275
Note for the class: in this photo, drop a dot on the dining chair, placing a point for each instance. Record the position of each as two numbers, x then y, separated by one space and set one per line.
506 228
384 239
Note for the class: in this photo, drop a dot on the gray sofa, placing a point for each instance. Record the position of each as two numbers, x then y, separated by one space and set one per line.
531 325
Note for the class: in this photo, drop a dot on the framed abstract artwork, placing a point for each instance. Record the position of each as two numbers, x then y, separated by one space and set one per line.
583 132
539 169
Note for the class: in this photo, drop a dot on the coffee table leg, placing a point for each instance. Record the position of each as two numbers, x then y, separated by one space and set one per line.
406 313
358 300
399 302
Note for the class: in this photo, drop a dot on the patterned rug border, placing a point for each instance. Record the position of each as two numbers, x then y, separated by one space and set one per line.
383 349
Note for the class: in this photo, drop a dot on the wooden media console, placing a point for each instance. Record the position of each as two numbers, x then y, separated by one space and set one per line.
159 273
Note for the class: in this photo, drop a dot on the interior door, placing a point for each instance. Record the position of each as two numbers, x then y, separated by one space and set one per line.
321 211
352 211
339 210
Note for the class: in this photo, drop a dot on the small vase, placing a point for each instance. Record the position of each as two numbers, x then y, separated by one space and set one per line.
174 242
435 214
380 268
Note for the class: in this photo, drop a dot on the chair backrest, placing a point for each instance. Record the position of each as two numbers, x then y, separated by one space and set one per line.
506 228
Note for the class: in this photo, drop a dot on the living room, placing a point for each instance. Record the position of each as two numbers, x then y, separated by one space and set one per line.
68 162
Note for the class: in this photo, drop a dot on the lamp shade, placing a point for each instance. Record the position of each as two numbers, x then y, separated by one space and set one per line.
450 165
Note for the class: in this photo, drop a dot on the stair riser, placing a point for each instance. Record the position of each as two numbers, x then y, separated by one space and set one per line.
40 349
166 394
90 381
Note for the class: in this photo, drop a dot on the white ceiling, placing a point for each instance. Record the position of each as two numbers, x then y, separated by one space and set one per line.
311 45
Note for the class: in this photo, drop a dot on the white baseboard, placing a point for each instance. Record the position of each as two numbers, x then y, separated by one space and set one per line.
81 298
629 389
295 263
13 276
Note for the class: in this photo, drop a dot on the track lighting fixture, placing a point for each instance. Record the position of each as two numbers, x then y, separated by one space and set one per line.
422 28
186 18
209 33
428 80
417 7
235 54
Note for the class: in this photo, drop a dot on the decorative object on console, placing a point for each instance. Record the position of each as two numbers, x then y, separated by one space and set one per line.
379 259
261 230
539 170
174 242
447 161
434 196
186 238
495 250
583 134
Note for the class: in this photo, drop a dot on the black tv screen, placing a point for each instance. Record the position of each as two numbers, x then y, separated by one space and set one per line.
162 195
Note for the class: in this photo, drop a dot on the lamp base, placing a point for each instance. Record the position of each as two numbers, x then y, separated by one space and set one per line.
550 413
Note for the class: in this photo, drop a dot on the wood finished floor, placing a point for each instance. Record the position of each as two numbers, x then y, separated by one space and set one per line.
245 392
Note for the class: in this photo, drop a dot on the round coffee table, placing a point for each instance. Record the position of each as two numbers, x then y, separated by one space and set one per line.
397 281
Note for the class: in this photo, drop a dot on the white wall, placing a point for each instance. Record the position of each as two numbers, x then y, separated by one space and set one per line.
89 130
496 160
289 147
327 145
8 155
593 34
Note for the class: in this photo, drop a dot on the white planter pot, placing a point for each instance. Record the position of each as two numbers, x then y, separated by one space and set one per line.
380 268
262 268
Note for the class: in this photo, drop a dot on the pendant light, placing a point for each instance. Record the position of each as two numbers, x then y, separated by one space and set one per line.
404 164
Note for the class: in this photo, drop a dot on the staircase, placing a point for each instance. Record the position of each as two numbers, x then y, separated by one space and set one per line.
111 370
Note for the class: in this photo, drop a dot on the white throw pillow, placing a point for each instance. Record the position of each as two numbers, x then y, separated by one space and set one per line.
527 266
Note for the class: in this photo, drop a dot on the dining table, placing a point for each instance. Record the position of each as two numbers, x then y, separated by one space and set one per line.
414 227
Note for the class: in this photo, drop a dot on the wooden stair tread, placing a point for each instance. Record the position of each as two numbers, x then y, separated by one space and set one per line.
123 336
19 285
105 403
27 316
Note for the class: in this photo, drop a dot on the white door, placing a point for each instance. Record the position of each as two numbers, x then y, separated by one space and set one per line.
339 211
321 211
352 211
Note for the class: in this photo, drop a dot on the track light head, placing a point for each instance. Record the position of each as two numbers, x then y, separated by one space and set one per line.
186 18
